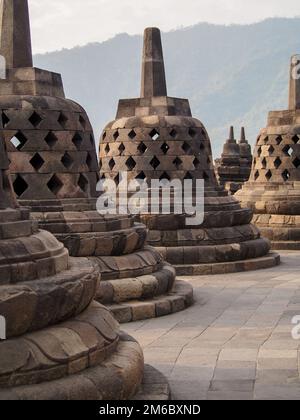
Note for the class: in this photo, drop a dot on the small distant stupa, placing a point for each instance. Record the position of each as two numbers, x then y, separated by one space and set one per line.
234 166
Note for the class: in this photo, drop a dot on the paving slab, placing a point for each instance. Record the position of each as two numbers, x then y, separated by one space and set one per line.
236 342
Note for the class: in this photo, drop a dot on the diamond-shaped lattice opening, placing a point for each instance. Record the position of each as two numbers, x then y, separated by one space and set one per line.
259 151
192 132
51 139
107 149
20 186
35 119
287 150
104 135
5 120
165 148
62 119
116 135
155 163
19 140
165 176
277 163
67 160
55 185
89 161
264 163
256 175
296 162
141 176
82 121
295 139
142 148
122 149
132 134
205 176
83 183
286 175
266 140
173 133
177 162
271 150
279 140
77 140
131 163
112 164
188 175
37 162
186 147
154 134
196 163
269 175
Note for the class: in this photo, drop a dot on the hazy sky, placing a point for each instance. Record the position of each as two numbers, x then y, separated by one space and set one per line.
66 23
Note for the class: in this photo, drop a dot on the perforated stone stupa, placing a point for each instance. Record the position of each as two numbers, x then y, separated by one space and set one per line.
60 345
155 136
55 171
273 191
234 167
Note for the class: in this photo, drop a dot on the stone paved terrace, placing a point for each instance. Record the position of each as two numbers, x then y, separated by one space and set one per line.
236 341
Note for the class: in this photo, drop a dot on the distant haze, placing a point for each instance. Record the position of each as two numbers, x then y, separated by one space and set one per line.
58 24
231 75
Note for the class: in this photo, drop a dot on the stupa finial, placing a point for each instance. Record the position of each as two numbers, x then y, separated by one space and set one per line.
15 39
153 68
294 94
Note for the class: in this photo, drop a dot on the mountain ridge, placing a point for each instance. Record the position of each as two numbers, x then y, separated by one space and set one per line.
232 74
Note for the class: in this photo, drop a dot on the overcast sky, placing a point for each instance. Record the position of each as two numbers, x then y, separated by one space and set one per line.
67 23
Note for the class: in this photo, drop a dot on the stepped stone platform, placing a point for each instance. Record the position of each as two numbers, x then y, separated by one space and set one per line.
273 191
54 168
156 137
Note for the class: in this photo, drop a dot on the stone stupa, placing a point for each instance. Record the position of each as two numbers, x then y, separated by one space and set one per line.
55 171
273 191
60 345
155 136
234 167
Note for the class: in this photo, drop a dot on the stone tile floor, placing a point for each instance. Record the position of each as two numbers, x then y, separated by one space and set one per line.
236 341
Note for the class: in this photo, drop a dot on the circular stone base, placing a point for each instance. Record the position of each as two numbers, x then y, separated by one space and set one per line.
178 300
155 386
271 260
285 245
117 378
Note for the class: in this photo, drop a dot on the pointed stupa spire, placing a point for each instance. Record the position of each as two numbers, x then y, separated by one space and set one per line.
7 196
15 39
153 68
243 136
294 94
231 134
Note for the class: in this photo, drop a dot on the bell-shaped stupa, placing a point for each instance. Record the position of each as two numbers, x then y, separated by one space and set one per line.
273 190
55 172
156 137
234 167
57 344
